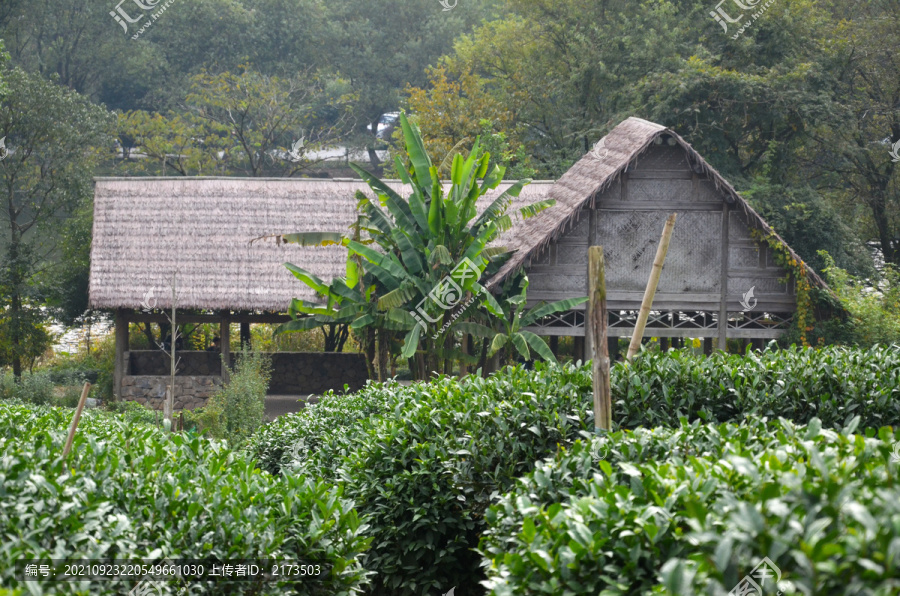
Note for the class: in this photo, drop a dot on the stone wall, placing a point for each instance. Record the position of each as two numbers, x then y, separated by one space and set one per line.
150 390
299 373
190 363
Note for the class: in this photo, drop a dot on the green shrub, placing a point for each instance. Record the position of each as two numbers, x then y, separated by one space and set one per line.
134 413
833 383
694 509
874 311
422 468
288 441
238 409
34 388
134 492
422 462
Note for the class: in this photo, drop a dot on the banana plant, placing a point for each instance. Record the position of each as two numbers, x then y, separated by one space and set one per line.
414 245
514 318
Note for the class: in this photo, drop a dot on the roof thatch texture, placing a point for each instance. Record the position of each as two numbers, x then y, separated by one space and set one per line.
590 176
146 229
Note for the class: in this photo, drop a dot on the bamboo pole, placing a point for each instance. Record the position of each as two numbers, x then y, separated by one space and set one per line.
78 410
597 320
655 272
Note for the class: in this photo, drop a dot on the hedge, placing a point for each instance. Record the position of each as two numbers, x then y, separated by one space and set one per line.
692 511
131 491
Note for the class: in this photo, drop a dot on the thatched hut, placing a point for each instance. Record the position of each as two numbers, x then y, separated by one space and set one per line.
719 281
199 229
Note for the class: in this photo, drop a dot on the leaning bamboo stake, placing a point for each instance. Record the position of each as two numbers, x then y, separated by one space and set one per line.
81 402
597 320
650 292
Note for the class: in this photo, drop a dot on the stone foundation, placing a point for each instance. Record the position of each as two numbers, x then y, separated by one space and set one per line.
293 373
190 392
190 363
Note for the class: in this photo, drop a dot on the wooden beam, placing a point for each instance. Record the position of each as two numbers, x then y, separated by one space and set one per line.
225 342
121 362
597 319
139 317
655 272
723 280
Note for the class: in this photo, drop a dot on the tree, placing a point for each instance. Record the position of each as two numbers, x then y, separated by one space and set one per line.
850 157
54 136
271 123
179 144
381 46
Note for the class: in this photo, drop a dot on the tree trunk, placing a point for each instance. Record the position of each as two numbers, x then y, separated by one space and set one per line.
383 354
879 214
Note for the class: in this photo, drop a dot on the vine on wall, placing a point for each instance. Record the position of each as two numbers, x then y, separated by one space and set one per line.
804 317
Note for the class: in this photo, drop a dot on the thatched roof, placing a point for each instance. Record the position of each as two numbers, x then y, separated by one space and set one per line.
145 229
590 176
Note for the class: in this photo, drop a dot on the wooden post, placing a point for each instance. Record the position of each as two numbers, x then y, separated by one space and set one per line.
578 346
613 348
655 272
597 319
225 341
723 281
78 410
707 345
121 362
554 345
245 335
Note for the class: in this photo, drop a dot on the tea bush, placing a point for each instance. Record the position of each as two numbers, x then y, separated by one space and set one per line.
130 491
424 466
422 462
694 509
834 384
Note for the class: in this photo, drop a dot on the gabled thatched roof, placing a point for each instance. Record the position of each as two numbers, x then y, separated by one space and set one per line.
147 228
590 176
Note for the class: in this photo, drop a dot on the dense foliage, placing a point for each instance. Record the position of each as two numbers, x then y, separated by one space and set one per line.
130 491
422 462
238 409
834 384
692 510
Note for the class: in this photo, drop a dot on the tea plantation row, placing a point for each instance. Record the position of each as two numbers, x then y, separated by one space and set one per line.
497 482
130 491
424 463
